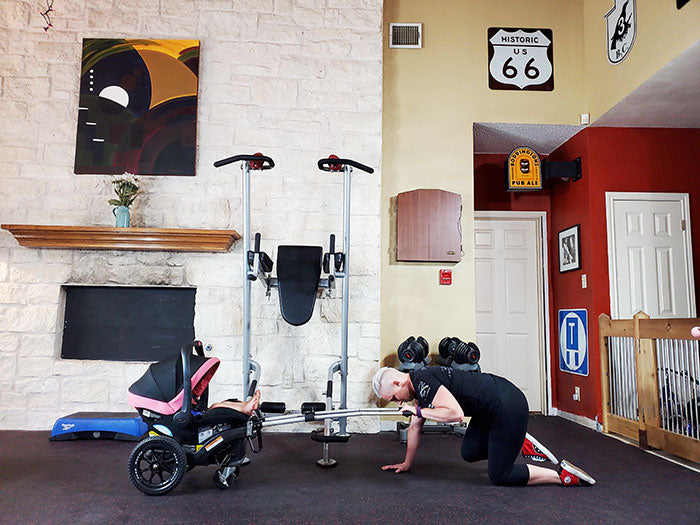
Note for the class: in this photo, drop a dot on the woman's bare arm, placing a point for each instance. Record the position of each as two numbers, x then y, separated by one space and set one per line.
445 409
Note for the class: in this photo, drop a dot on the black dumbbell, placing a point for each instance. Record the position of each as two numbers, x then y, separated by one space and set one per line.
467 353
413 350
406 352
422 347
454 349
446 348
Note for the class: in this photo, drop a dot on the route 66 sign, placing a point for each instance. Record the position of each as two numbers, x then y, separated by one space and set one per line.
621 23
521 59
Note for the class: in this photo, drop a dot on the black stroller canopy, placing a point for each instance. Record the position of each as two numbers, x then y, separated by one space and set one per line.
163 380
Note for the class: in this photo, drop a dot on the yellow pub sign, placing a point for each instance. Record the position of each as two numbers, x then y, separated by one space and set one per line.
523 170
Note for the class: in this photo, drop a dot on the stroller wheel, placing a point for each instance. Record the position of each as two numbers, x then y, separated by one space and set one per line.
157 465
225 477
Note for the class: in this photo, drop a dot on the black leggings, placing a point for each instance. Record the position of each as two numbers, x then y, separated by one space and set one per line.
500 440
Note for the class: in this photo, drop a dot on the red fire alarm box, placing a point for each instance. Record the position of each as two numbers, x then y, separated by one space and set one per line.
445 276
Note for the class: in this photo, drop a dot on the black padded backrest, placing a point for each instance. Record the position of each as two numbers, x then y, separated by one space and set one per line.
298 273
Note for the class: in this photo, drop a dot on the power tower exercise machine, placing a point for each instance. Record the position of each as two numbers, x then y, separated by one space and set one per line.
298 281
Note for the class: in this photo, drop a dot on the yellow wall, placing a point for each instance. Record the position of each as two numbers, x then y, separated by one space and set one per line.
662 33
432 97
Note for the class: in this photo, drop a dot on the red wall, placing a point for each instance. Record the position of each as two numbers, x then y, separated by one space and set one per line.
571 204
613 159
645 160
490 194
490 183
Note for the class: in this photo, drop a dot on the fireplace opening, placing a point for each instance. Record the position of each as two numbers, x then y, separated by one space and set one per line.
119 323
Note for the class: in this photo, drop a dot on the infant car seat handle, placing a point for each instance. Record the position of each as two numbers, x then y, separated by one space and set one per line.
182 418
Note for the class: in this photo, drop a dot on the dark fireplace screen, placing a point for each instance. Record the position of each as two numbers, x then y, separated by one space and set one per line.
126 323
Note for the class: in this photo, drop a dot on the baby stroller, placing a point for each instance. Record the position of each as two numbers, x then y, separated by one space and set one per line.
171 398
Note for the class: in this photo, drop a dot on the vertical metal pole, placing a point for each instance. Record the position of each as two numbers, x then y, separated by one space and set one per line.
611 387
619 394
611 372
662 385
694 347
245 167
628 371
681 386
668 386
621 381
346 298
659 347
634 396
615 372
631 383
680 393
685 406
614 394
676 423
624 382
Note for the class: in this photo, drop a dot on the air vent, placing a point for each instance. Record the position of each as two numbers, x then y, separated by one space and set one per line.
406 36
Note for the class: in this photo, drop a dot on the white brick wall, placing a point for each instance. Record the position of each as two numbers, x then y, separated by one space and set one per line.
295 79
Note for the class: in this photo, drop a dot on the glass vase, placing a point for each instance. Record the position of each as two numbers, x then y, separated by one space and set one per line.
121 213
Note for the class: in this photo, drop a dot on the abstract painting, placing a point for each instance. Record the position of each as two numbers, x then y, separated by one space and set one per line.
138 107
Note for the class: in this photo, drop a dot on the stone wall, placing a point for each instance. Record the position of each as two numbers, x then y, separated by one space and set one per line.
294 79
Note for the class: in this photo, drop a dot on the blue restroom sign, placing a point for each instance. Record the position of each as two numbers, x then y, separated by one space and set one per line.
573 341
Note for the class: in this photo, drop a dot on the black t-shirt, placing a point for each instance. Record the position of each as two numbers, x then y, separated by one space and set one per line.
477 393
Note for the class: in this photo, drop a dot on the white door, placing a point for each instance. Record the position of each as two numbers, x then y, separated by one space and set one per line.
509 303
650 255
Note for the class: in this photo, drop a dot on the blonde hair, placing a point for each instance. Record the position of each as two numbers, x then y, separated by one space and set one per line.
379 378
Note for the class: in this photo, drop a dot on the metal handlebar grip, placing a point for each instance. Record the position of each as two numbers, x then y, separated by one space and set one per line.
253 386
264 163
330 163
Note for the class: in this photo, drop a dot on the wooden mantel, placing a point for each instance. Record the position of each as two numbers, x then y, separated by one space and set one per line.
108 238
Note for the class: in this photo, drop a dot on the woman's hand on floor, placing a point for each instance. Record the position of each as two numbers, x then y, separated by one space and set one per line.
400 467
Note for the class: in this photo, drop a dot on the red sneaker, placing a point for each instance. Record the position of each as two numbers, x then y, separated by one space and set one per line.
572 476
536 451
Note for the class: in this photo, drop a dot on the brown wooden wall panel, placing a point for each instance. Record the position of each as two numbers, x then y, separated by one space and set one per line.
428 226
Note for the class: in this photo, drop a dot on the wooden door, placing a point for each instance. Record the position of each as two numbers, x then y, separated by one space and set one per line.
510 303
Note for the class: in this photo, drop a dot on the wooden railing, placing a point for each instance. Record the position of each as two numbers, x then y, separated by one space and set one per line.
650 378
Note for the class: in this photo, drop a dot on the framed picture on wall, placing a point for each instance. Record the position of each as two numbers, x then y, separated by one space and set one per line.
137 110
570 249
